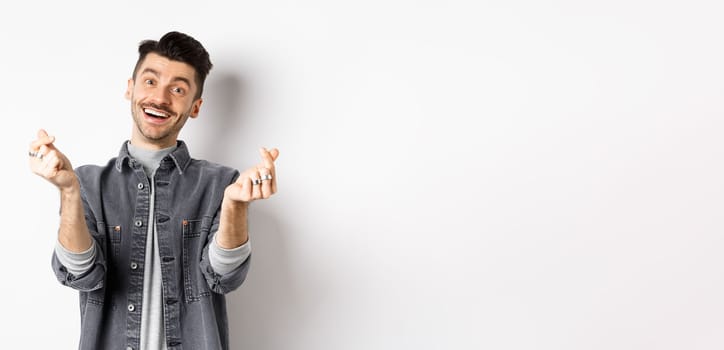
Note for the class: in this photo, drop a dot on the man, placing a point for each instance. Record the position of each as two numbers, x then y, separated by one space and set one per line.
154 239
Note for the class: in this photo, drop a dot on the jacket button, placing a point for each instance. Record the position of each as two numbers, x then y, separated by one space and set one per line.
139 223
131 307
134 266
140 186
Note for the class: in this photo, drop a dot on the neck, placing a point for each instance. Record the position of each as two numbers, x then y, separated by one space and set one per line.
140 141
152 146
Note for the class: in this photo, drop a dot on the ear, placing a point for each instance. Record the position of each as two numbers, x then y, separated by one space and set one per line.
129 89
196 108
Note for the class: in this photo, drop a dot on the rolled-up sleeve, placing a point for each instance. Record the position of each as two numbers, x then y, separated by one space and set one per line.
223 261
235 264
81 271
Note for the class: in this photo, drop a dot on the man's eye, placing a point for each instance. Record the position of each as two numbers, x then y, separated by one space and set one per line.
148 82
178 90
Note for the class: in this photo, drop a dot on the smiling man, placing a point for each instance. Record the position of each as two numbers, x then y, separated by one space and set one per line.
154 239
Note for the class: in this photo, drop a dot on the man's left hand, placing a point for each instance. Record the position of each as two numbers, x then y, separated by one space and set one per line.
257 182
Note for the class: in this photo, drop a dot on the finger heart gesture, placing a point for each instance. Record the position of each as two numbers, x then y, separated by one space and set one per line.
49 163
257 182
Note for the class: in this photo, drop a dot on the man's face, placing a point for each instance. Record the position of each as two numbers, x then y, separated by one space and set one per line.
162 99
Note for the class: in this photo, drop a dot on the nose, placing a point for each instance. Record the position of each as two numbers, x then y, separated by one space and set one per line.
161 96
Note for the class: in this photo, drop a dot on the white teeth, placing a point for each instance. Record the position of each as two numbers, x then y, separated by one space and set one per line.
155 113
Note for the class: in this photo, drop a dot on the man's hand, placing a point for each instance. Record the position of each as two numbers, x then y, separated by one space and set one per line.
257 182
49 163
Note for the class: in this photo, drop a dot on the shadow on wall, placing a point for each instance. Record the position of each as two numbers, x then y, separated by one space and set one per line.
221 117
263 303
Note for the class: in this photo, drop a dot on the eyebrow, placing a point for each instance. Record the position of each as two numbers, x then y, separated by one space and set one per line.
154 72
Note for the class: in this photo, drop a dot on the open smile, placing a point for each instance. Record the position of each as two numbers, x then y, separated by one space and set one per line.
156 115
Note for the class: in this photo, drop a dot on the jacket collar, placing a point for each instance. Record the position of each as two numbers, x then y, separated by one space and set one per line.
180 157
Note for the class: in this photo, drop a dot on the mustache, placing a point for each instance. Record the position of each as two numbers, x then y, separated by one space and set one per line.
160 108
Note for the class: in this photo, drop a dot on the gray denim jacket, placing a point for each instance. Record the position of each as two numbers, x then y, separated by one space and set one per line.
187 208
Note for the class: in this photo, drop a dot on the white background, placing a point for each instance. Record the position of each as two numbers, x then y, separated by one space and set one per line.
453 175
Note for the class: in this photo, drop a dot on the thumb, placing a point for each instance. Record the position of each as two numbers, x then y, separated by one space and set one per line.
274 153
43 136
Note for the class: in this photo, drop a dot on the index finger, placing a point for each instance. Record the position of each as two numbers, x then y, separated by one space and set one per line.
42 139
268 157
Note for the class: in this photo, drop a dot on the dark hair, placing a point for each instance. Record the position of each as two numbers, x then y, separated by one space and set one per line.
178 47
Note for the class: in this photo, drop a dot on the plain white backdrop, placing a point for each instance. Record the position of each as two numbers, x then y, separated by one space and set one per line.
453 174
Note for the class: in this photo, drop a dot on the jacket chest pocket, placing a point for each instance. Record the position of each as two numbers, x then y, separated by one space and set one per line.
110 238
195 232
114 236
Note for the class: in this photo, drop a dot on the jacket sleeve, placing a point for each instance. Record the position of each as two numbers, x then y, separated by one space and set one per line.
92 279
225 283
228 282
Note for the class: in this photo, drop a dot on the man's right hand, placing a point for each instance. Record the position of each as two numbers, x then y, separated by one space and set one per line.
51 164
